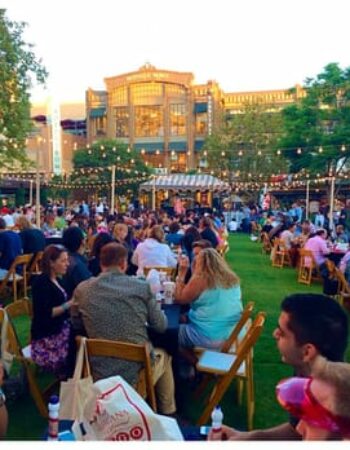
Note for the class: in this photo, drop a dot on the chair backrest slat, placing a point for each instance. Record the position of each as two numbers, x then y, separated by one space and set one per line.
247 312
127 351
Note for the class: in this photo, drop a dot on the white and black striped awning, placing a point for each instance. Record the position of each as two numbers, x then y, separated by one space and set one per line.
182 182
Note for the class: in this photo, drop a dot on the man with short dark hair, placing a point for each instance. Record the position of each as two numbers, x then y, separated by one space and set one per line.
117 307
309 325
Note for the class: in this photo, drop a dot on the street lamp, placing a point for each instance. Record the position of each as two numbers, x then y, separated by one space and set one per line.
37 190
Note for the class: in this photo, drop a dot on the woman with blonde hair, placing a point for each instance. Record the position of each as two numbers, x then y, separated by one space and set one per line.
215 296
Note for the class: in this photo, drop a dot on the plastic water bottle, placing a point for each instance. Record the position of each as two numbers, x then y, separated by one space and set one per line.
54 406
217 417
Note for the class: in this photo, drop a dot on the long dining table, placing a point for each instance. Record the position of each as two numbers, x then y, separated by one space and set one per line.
169 339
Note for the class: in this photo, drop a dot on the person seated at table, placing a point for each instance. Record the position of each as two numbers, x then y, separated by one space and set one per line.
307 231
174 237
117 307
191 235
10 248
74 241
279 225
153 251
94 261
318 246
214 295
121 234
340 236
33 239
320 402
206 230
60 222
50 328
290 241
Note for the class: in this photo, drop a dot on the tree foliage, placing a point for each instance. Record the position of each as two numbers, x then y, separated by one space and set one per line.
316 131
104 154
19 68
244 143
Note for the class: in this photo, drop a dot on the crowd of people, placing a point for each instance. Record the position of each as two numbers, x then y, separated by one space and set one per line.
93 283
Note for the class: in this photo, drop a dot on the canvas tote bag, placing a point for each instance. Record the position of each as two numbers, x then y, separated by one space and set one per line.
74 391
114 411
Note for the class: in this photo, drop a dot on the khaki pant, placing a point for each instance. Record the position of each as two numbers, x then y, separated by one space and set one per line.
163 380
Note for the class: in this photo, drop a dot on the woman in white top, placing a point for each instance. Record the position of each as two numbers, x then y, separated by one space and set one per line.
153 251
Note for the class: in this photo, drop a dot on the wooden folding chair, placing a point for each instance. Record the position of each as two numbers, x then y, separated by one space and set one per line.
130 352
306 266
278 254
12 278
23 308
230 346
34 268
343 294
266 243
170 271
226 367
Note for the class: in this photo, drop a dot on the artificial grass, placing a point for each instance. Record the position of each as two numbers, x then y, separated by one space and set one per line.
264 285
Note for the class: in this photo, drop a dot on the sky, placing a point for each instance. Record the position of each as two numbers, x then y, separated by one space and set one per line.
243 44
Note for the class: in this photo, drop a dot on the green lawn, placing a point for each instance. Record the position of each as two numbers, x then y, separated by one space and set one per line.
266 286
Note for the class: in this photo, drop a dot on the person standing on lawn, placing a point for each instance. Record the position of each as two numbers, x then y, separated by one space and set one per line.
309 325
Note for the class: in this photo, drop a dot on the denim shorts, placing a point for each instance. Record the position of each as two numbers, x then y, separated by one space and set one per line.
190 337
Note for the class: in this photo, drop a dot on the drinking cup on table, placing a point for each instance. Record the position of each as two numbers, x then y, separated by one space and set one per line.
169 289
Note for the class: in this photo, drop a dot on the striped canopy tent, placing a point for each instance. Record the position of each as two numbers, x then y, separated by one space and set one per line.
181 182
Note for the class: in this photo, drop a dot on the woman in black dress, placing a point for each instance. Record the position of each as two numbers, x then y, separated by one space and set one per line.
51 331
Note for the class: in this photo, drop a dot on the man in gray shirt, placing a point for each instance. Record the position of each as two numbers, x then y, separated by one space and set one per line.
117 307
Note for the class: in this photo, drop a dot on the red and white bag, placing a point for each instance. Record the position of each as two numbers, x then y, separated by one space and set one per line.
114 411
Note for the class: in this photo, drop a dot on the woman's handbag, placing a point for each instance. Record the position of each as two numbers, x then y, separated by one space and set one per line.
74 391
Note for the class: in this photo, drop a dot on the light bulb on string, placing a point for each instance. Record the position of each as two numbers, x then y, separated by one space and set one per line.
278 152
343 148
320 150
299 151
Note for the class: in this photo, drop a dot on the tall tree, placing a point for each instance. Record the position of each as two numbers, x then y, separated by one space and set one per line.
19 68
316 131
244 144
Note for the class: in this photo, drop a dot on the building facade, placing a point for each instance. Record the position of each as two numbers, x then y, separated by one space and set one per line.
166 116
